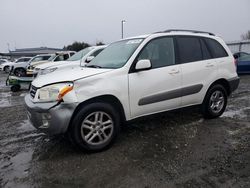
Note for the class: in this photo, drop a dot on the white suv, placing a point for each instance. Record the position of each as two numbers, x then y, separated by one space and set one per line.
132 78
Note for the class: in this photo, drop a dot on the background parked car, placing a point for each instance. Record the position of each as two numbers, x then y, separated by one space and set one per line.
3 61
240 54
243 64
7 66
20 68
59 56
82 57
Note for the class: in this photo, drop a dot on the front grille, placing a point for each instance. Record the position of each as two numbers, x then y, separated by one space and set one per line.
33 90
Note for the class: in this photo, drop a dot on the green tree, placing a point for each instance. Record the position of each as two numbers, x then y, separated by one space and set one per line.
76 46
99 43
246 36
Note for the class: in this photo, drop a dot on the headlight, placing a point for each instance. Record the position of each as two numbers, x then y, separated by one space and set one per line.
46 71
54 92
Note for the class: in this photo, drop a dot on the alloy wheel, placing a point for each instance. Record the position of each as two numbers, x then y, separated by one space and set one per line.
97 128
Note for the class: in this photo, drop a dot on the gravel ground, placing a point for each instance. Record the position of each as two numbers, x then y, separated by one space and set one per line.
177 149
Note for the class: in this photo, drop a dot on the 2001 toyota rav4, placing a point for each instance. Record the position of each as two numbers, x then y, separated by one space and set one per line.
131 78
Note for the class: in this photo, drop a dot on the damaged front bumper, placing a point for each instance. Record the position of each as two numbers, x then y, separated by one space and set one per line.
50 118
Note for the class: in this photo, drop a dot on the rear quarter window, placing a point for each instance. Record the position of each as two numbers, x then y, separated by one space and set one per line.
216 49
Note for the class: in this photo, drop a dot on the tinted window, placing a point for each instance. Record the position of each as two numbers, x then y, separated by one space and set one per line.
205 52
65 56
160 52
216 49
45 57
189 49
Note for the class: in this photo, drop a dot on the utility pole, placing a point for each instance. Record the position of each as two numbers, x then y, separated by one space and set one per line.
122 22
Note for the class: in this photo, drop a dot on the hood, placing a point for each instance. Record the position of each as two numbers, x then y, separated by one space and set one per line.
67 75
53 64
34 64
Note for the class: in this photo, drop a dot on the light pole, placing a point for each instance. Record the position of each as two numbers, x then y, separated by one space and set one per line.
123 21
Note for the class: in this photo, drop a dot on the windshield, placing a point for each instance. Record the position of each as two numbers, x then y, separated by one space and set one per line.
244 58
22 60
80 54
116 55
39 58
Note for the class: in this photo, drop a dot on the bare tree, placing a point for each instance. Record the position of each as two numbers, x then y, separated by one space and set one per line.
246 36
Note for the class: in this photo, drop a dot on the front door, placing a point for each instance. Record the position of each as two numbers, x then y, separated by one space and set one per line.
159 88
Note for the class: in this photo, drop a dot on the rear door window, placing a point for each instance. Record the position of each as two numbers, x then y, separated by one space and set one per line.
189 49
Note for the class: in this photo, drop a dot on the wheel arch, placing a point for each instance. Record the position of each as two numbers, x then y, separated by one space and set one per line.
224 83
110 99
5 67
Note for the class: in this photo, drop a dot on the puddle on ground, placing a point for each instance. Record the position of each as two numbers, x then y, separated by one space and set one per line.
18 169
236 113
241 129
8 99
5 100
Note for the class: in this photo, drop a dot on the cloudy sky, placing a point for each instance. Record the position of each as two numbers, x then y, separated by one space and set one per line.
55 23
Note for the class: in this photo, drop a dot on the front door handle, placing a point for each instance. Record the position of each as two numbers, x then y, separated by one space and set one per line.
174 72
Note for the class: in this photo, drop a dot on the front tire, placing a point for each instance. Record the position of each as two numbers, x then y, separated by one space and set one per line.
215 102
95 127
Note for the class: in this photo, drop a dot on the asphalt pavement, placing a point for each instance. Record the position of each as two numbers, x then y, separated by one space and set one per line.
174 149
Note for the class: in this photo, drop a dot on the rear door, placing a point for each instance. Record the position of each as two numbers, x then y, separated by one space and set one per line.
198 68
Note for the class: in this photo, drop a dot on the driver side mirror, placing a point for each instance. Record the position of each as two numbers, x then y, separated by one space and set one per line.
88 59
143 64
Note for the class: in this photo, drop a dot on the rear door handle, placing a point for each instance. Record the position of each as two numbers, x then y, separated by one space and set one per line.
209 65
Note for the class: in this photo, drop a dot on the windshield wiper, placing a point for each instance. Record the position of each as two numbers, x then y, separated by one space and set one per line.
93 66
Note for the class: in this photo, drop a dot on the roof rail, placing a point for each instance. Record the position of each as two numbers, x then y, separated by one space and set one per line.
191 31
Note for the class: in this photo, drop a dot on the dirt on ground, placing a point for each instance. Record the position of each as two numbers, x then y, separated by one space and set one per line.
175 149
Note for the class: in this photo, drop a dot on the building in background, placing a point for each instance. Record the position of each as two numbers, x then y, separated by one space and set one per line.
239 46
29 52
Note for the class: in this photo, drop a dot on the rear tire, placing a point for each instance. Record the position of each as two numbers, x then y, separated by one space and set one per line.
215 102
95 127
6 69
